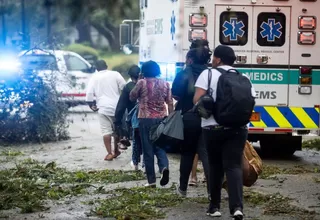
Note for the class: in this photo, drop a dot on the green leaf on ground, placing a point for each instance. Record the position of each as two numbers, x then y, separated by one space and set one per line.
311 144
11 153
276 205
30 183
269 171
137 203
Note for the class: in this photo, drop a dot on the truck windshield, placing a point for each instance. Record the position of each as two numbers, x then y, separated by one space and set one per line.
39 62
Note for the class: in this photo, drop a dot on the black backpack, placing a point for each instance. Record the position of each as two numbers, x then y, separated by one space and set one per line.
234 103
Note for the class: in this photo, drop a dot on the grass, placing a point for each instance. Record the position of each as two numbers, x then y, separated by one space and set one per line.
311 144
31 183
116 59
136 203
11 153
269 171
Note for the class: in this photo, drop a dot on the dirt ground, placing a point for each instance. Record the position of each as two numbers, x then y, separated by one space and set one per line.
85 152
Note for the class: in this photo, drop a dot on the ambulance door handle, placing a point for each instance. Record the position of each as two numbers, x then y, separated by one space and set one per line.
241 59
262 59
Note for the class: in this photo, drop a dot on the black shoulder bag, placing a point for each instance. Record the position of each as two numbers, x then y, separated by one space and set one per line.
204 107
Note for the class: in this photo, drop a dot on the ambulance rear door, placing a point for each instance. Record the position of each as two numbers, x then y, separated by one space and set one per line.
270 54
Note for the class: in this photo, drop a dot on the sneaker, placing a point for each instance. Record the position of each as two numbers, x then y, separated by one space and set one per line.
151 185
238 215
135 167
181 192
213 212
122 147
164 177
125 142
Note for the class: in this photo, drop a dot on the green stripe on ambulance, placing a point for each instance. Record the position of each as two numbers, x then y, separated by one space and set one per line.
278 76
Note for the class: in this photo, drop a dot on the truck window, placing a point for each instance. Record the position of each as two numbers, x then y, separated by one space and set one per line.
75 64
271 29
39 62
233 28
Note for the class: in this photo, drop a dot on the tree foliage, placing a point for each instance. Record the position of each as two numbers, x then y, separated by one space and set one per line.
30 110
104 15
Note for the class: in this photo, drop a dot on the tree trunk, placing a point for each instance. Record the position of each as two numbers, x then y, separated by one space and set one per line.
84 32
110 32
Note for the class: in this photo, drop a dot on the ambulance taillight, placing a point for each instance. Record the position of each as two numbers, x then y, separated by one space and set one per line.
306 37
307 22
198 20
197 34
305 80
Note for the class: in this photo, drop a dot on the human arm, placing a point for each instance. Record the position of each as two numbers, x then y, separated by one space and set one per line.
134 94
179 85
90 94
201 86
169 99
121 82
122 105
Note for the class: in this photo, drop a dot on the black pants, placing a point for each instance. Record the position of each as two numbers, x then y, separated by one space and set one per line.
193 143
225 152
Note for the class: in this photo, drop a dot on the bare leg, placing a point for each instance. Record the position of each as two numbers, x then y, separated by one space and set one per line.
107 144
193 177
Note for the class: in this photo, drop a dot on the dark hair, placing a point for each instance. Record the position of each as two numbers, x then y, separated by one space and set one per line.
199 43
226 54
134 71
150 69
101 65
199 55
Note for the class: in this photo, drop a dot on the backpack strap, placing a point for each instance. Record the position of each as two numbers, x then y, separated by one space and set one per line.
209 90
223 71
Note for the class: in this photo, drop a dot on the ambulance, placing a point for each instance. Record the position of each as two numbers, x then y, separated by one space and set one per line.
275 42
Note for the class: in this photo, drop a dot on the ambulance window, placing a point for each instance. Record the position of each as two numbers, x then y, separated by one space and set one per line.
233 28
271 29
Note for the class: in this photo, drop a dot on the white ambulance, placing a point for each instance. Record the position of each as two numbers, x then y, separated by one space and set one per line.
276 46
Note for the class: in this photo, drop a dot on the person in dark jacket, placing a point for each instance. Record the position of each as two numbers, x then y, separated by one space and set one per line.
183 91
123 105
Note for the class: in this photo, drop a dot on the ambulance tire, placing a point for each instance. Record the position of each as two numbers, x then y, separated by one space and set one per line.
279 145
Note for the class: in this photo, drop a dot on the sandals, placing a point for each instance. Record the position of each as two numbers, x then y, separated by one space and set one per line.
109 157
193 183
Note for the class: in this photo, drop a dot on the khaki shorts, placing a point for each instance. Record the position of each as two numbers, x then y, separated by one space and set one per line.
106 124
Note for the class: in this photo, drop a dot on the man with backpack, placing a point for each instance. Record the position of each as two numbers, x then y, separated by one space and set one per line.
225 132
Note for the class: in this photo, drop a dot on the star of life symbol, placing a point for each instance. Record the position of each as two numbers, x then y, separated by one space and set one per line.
233 29
173 24
271 30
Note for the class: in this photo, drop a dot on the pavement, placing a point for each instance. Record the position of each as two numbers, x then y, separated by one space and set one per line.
85 151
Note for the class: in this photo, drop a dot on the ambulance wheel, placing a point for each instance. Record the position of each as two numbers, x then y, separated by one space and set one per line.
280 145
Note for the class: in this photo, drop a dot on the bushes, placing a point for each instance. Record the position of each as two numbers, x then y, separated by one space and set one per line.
123 69
30 111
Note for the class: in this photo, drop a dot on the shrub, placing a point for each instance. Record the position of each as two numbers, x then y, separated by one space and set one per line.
30 110
83 50
123 69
